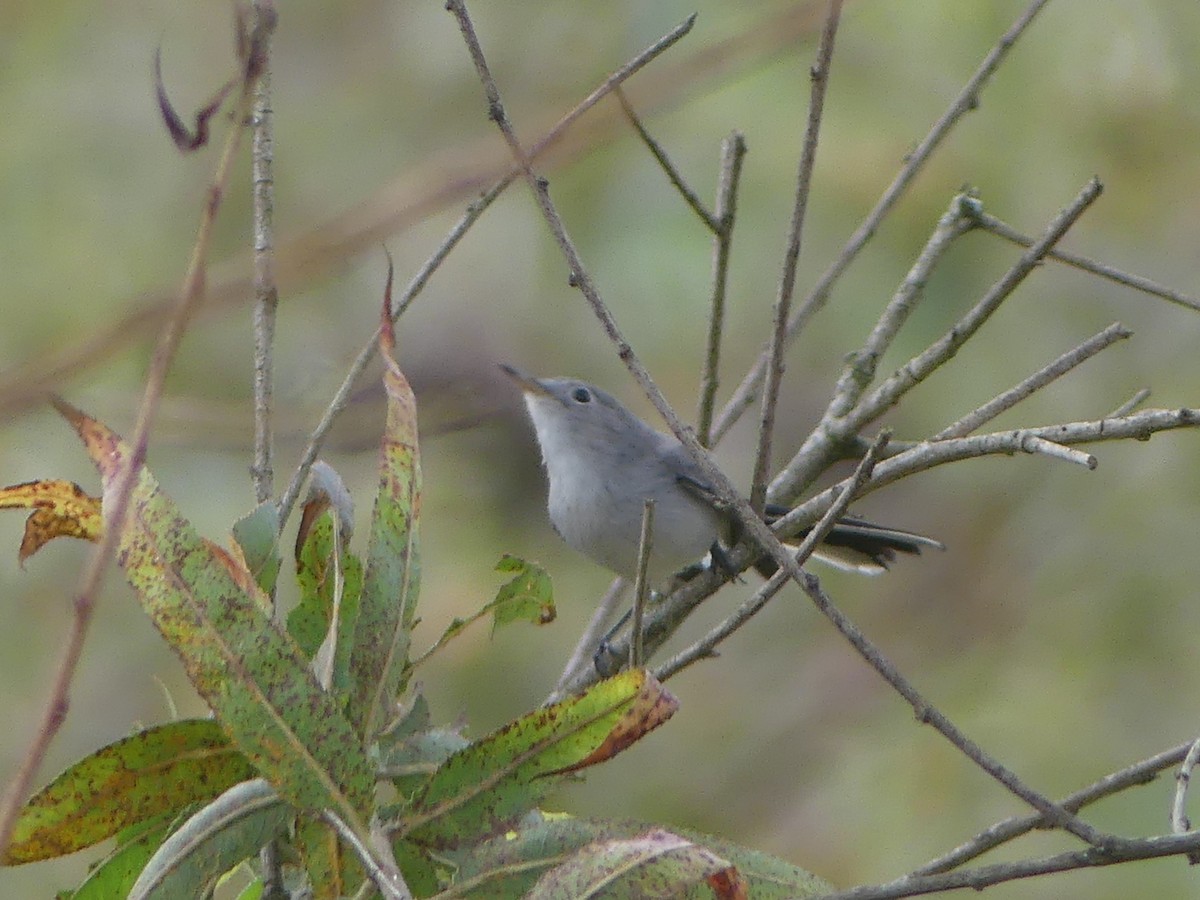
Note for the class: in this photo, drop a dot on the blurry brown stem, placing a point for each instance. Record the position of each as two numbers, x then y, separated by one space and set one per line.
474 211
117 500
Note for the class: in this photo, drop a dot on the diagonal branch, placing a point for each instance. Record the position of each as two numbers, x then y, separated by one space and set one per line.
966 101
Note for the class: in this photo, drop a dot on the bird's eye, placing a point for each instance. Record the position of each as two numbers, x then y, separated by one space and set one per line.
582 395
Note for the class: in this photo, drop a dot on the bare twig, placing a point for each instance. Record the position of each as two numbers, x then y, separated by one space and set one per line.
957 220
928 714
474 211
384 873
733 150
581 656
834 431
266 293
1035 382
753 525
1002 832
711 222
984 876
967 100
1139 397
1180 823
641 586
117 500
1137 282
266 304
819 74
848 492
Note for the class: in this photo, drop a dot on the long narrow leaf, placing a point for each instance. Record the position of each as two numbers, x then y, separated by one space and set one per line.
379 659
213 841
141 777
250 672
483 789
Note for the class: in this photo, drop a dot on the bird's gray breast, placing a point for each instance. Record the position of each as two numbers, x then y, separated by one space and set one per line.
597 508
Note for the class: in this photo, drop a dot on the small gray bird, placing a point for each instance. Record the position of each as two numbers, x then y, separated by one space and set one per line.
603 462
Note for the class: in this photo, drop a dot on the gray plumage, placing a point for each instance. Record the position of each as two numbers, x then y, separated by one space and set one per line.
603 462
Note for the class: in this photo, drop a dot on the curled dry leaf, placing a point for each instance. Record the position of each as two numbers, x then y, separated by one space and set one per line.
60 509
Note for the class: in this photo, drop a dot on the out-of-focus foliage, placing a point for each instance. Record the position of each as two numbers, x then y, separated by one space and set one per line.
1056 628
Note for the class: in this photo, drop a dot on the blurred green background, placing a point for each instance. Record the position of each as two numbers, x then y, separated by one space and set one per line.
1057 630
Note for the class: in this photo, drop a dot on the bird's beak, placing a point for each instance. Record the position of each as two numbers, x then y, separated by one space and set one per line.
526 383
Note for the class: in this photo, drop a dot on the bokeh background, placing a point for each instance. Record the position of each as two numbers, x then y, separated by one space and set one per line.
1058 630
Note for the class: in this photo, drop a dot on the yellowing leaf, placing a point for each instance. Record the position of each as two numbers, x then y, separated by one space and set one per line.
60 509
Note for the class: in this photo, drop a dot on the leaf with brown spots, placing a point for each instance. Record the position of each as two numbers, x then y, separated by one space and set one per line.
482 790
392 577
656 863
252 674
156 771
509 864
60 509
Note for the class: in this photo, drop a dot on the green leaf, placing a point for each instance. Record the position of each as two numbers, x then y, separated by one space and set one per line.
379 660
330 577
481 790
424 877
115 875
257 534
509 865
333 871
141 777
230 829
409 763
250 672
528 596
655 863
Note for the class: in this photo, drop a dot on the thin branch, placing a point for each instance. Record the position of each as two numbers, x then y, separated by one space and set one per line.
819 74
117 500
1002 832
733 151
641 586
706 646
1137 282
957 220
474 211
384 873
1032 443
754 527
1139 397
672 611
1180 823
580 660
966 101
929 454
266 304
928 714
1035 382
711 222
832 432
985 876
822 446
266 292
